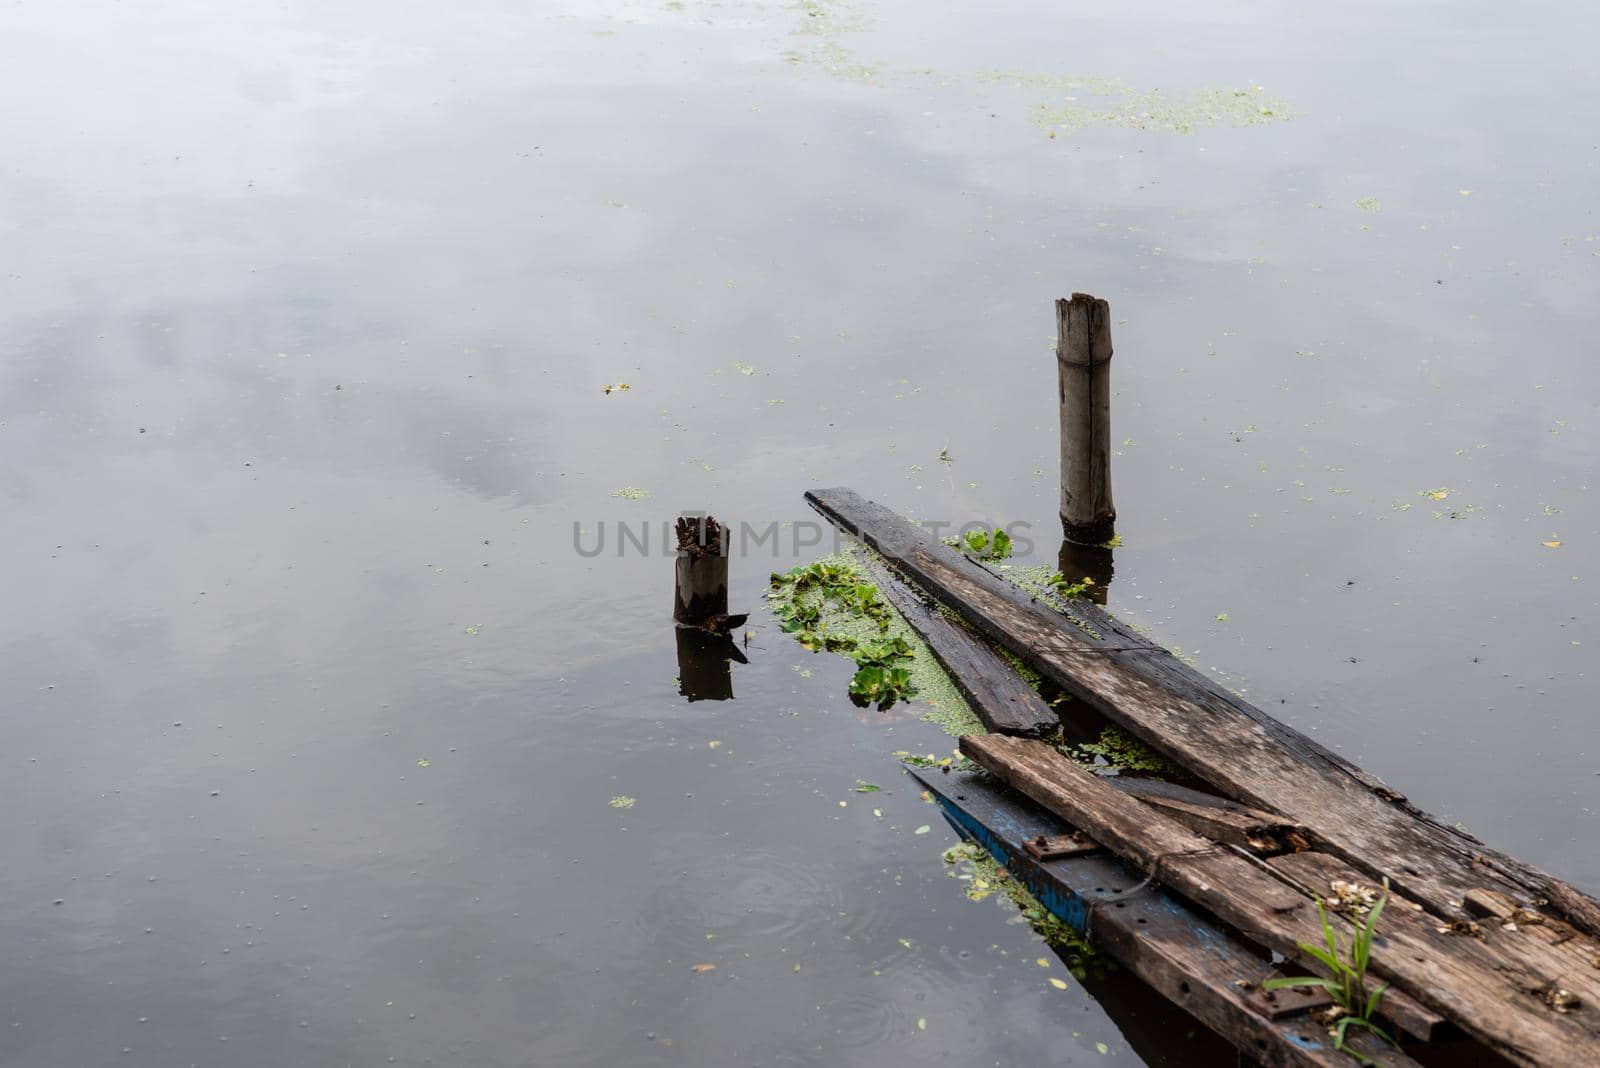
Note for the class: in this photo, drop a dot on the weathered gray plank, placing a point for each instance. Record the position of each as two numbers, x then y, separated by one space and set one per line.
1002 699
1233 746
1178 952
1495 988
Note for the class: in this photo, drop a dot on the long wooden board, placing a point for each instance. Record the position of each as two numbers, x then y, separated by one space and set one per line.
1233 746
1001 698
1496 986
1181 954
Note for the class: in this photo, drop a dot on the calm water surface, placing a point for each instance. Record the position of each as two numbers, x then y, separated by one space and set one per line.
313 715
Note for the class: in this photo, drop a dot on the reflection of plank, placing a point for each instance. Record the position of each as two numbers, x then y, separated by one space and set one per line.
1236 748
1495 989
1002 699
1183 956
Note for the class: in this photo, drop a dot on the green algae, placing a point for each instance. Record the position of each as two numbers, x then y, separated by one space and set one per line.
1038 582
819 38
985 878
1122 752
1111 103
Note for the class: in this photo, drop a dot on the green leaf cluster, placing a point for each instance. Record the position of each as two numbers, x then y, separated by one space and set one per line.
983 544
1067 589
882 675
1346 983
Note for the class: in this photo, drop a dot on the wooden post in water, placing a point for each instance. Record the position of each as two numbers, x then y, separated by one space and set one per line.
1083 358
702 572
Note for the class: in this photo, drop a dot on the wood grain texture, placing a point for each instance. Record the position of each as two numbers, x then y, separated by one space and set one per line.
1495 988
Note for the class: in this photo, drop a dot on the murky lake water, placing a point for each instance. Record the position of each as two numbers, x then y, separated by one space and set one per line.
313 713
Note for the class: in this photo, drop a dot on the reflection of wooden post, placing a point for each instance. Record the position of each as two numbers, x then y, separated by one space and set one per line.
1077 562
704 659
702 572
1083 359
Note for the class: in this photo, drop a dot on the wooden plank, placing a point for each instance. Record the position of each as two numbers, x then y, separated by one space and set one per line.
1505 911
1182 955
1002 699
1494 988
1216 818
1230 744
1056 846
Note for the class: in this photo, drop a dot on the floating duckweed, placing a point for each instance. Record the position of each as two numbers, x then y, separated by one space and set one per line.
985 878
822 27
1029 676
1123 752
632 493
1121 105
1040 584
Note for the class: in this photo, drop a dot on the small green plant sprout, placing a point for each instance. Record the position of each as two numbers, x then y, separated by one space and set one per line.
1348 978
1068 589
983 544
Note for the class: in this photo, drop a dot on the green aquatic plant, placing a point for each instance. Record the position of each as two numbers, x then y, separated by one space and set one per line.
982 544
1066 589
808 599
881 686
880 679
1347 982
839 611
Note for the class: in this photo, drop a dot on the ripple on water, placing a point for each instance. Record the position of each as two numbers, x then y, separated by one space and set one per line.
760 893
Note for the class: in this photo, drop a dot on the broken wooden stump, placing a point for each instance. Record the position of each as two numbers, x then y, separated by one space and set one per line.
702 572
1083 360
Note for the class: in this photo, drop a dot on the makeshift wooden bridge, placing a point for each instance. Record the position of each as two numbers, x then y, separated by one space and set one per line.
1205 893
1196 891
